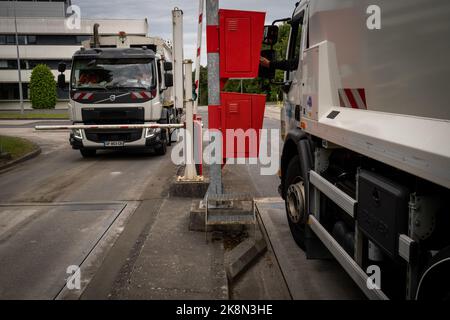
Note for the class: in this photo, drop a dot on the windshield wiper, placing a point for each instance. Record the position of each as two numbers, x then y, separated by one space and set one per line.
127 88
91 88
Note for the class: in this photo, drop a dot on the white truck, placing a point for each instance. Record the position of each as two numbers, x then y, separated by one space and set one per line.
365 165
121 80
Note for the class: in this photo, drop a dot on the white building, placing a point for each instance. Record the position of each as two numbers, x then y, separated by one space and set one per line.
45 37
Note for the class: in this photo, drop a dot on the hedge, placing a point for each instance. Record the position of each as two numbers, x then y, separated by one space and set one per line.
42 88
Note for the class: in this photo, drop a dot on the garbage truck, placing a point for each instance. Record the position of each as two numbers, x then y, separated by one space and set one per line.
365 162
124 80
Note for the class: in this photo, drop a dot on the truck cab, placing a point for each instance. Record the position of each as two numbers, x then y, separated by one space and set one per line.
118 86
121 80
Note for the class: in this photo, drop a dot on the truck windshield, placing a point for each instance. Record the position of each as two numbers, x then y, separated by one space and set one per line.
113 74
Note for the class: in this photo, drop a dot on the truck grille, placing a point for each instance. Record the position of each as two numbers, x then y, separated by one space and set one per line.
113 115
102 135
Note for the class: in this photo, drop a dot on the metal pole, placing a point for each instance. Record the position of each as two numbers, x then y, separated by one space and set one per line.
212 22
198 53
190 172
18 61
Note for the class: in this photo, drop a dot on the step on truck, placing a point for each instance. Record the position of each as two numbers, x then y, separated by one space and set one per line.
121 80
365 164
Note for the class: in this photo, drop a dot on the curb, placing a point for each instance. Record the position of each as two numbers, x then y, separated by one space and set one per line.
239 259
24 158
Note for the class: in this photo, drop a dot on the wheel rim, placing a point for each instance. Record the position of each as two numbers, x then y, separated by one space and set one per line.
296 201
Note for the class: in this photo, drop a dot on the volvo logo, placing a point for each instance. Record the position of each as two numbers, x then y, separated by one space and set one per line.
112 97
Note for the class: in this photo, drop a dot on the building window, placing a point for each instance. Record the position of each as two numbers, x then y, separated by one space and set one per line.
56 40
31 39
10 91
12 64
10 39
52 64
80 39
22 40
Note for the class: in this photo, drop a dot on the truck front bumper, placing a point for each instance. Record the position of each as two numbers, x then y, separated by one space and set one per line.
97 140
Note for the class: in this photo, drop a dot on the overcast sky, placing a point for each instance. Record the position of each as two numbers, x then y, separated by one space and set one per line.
158 14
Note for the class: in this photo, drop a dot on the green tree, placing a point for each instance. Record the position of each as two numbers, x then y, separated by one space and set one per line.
42 88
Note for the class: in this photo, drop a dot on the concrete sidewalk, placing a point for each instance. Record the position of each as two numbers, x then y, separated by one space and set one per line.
174 263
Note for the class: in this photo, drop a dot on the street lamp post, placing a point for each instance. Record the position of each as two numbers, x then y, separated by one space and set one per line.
18 61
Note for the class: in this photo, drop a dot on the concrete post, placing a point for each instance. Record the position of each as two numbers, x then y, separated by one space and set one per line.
190 171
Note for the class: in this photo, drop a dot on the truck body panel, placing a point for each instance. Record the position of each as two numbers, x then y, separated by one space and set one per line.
387 106
365 167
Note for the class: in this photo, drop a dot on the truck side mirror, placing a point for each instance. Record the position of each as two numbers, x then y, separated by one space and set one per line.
267 73
168 66
270 35
61 81
168 80
62 67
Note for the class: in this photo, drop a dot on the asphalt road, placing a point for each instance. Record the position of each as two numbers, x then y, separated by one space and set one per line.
56 209
62 205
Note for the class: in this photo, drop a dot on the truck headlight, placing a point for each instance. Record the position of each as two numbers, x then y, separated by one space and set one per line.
151 132
77 133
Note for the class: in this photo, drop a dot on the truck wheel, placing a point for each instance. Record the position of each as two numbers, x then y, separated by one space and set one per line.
88 153
295 201
161 149
434 284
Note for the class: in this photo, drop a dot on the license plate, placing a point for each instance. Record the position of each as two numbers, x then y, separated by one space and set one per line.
114 143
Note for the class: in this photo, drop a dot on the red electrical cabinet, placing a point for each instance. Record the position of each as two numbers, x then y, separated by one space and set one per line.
244 112
239 45
241 36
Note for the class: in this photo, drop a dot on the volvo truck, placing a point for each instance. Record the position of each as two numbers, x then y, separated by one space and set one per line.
124 80
365 163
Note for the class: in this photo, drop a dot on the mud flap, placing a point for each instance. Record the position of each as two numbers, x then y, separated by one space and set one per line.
315 249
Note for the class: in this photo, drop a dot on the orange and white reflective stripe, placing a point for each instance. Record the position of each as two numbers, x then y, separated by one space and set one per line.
353 98
83 96
141 95
146 94
136 95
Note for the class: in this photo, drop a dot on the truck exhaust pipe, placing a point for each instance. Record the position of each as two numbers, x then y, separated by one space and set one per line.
95 38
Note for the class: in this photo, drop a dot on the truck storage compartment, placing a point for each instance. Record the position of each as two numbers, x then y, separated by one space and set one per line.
102 135
382 212
113 115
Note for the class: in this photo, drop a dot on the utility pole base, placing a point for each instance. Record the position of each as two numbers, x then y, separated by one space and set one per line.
189 188
197 217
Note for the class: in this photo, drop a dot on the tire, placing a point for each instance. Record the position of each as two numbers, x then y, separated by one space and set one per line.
88 153
293 181
434 284
161 149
